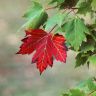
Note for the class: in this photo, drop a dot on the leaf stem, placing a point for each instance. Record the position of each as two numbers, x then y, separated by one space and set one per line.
51 7
91 93
53 28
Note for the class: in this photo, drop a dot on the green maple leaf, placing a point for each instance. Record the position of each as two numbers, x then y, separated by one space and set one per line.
56 19
36 16
75 32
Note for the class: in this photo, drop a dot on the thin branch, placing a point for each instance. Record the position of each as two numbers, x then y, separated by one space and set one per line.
74 8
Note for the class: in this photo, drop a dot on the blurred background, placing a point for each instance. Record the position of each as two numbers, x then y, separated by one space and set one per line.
18 77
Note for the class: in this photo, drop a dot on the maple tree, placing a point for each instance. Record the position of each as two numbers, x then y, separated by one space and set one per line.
51 37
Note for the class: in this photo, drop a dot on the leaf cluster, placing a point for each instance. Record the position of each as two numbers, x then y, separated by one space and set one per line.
85 88
70 22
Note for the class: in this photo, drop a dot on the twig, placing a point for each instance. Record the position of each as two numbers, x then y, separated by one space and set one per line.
74 8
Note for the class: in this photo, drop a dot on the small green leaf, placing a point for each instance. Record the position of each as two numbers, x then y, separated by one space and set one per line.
75 32
56 19
36 16
33 11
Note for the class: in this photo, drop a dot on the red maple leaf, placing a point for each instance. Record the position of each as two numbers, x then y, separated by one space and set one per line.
46 46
